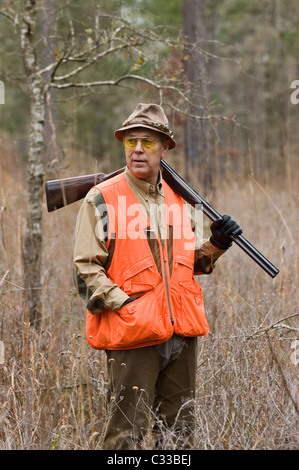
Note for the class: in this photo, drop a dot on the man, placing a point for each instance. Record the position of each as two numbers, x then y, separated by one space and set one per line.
135 257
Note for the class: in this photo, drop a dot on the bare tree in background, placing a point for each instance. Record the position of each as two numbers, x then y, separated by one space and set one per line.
67 69
48 35
32 249
196 128
68 58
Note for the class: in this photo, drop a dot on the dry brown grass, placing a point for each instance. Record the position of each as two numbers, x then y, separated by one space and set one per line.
53 384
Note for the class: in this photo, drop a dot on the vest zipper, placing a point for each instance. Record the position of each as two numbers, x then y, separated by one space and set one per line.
166 281
164 269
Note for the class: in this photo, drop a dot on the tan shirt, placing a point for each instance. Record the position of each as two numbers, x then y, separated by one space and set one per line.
91 254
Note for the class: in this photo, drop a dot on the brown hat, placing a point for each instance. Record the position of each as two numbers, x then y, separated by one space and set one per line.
150 116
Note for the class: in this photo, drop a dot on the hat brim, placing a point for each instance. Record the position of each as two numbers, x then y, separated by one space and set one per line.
119 133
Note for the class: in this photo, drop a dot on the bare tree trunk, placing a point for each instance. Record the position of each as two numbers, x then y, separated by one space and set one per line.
42 76
32 248
48 33
196 73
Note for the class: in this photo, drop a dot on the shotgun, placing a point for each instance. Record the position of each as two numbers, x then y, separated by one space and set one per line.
61 192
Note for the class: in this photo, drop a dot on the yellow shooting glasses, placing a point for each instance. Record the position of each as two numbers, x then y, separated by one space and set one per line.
147 143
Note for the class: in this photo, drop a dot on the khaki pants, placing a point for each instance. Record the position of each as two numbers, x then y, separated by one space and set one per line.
143 389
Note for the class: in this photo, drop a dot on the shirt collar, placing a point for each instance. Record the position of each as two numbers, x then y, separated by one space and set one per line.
146 188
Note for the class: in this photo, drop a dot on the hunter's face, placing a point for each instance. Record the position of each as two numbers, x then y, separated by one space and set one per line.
144 150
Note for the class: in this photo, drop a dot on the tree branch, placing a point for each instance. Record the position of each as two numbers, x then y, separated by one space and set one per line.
11 18
117 81
277 324
88 63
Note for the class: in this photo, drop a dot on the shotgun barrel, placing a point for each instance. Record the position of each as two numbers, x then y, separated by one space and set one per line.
179 185
61 192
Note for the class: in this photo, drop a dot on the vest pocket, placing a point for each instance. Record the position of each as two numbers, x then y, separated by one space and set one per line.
138 323
142 272
190 317
141 322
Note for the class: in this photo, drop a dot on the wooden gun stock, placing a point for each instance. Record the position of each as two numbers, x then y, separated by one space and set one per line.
65 191
62 192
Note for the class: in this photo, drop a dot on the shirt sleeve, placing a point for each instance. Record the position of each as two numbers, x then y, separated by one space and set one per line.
206 257
90 256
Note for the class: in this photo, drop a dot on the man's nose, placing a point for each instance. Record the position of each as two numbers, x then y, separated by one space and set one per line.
139 147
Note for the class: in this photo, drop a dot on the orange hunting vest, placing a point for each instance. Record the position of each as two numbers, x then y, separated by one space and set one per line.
167 302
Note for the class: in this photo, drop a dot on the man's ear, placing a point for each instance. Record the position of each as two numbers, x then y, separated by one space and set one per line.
166 145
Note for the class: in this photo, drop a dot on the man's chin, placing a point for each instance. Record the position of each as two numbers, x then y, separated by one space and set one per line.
143 175
139 171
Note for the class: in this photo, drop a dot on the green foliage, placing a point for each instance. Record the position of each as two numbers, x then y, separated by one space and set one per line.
55 442
163 13
251 48
14 114
128 22
76 29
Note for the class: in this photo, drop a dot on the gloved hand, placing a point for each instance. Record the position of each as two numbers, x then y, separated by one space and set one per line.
221 229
